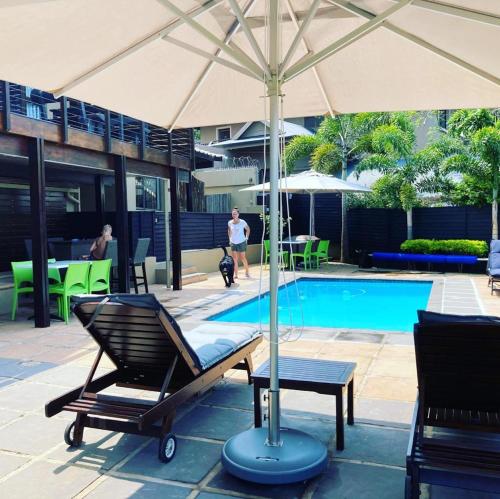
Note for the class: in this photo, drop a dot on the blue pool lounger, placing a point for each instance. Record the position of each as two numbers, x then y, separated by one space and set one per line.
150 352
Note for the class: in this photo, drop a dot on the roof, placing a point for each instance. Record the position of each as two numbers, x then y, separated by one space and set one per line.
209 153
288 130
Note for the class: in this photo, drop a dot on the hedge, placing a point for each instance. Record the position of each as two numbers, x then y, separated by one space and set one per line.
445 247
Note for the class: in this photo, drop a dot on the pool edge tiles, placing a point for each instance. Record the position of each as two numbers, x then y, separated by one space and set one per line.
337 304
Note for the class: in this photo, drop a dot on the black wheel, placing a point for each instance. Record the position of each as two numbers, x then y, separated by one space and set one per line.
168 446
69 435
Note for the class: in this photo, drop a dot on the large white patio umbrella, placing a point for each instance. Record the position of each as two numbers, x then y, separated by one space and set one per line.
310 182
182 63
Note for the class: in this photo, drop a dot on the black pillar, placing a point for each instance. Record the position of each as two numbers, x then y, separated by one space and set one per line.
99 199
122 224
64 119
6 106
39 232
176 230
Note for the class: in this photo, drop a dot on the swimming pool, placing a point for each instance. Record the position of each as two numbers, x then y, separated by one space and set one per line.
389 305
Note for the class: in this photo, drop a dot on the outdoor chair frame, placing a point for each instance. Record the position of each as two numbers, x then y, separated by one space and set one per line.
492 266
139 260
459 400
149 352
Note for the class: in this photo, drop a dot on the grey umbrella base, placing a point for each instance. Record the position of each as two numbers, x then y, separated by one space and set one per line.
299 458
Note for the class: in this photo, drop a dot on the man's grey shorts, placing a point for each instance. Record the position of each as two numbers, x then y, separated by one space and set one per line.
240 247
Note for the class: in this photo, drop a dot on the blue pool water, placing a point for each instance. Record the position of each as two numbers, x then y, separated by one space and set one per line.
340 303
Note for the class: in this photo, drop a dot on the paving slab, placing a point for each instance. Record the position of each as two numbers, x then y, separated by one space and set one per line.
32 434
10 463
193 460
45 480
345 480
324 431
68 375
125 487
385 411
224 481
294 401
439 492
100 449
22 368
28 396
212 495
375 445
361 337
230 394
7 415
214 423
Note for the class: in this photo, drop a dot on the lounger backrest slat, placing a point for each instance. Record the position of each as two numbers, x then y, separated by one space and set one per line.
458 366
142 343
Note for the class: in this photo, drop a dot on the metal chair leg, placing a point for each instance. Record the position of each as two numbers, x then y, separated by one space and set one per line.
145 277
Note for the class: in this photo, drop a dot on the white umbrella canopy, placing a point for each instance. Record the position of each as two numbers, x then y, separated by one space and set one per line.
311 182
183 63
149 59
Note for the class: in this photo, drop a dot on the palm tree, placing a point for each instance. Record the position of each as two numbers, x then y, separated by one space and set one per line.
390 148
478 130
329 150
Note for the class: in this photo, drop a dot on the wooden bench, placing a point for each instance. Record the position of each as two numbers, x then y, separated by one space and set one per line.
321 376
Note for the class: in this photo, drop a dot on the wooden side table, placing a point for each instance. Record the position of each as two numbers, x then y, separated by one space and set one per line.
321 376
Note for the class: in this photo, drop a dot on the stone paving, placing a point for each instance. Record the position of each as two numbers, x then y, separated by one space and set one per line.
37 365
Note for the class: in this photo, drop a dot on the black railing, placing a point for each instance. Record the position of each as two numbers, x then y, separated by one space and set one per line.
40 105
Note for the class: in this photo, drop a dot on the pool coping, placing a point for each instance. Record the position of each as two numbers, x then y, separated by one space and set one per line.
201 310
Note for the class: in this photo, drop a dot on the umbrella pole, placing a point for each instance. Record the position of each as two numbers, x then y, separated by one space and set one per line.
286 455
311 214
274 411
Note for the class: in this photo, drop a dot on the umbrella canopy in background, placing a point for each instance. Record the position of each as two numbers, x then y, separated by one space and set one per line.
183 63
311 182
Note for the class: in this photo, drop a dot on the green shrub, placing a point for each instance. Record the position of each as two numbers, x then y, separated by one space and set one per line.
445 247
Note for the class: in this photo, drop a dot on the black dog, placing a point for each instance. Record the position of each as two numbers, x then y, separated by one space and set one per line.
226 267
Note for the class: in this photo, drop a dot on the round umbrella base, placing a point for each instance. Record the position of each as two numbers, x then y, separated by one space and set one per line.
300 457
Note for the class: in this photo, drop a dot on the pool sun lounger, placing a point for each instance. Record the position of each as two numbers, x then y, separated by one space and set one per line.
455 435
149 352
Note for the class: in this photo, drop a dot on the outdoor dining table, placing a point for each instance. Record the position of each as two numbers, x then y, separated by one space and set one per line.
296 244
61 264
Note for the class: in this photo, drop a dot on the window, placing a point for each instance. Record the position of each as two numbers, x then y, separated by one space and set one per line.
312 123
148 193
223 133
443 117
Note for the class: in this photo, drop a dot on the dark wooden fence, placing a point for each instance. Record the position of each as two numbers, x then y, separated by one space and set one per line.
209 230
15 224
378 229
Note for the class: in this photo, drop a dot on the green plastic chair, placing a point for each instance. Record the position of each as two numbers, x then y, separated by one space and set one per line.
306 256
23 283
282 255
99 276
76 282
321 253
54 274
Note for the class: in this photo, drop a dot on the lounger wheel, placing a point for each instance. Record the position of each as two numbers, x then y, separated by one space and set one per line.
168 446
69 435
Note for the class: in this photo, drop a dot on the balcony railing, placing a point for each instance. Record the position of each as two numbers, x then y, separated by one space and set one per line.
74 114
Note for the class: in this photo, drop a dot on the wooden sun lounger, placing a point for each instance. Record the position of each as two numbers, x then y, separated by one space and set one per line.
455 437
150 353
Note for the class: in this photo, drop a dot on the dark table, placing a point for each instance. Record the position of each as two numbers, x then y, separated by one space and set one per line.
321 376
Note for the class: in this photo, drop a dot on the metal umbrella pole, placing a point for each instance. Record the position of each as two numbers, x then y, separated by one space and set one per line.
273 87
286 455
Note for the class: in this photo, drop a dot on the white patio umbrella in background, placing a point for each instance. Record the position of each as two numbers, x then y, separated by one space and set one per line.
183 63
311 182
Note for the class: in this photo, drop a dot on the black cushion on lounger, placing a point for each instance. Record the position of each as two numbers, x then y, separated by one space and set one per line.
426 318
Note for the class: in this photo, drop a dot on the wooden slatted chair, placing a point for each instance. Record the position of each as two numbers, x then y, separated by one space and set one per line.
455 437
150 353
